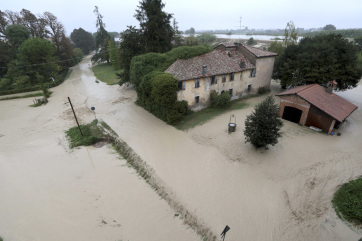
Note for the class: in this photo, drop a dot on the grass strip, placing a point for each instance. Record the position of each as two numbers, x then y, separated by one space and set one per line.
105 73
347 202
91 135
23 96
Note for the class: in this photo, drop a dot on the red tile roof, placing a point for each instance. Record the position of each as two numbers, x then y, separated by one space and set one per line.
331 104
259 52
217 62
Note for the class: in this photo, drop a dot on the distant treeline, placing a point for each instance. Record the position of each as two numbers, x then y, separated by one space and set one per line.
347 33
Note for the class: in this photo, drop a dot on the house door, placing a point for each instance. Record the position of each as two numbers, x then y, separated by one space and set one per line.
292 114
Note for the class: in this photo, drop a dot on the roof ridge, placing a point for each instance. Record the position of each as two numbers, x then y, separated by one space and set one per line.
307 87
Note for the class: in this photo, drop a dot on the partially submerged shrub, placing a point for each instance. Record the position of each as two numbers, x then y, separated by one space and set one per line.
213 97
347 201
223 100
262 90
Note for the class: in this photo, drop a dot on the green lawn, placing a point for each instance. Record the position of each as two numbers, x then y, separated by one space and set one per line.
201 117
105 73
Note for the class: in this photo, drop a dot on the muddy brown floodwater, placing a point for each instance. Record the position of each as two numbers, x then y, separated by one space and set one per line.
49 192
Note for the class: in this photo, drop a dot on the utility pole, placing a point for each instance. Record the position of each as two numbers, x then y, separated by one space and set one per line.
240 26
75 116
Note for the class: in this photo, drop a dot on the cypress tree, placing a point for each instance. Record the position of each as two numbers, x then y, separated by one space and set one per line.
155 25
262 127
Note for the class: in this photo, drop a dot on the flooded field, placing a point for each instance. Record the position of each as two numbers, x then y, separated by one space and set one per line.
52 193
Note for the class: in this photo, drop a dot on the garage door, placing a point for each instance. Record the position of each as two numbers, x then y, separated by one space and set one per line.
292 114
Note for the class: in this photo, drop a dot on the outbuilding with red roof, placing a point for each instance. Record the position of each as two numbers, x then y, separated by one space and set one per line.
313 105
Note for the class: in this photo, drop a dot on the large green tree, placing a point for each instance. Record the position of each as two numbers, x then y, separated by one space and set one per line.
130 46
319 60
102 39
262 127
83 40
16 35
36 55
155 25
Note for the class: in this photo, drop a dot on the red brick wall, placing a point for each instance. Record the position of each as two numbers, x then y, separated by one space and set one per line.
296 102
319 119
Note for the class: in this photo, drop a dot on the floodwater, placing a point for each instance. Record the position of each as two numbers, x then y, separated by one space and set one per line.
52 193
49 192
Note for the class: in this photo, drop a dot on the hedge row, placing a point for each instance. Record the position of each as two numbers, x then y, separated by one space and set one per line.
156 90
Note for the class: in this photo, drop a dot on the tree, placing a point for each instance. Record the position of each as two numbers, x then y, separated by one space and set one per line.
66 53
37 55
358 42
262 127
276 47
155 26
56 30
250 41
329 27
177 37
37 26
192 31
83 40
16 34
6 56
319 60
206 38
130 46
290 35
3 23
102 39
114 55
78 55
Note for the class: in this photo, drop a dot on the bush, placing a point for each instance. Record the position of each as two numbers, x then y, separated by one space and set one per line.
213 98
164 90
223 100
182 107
263 90
347 201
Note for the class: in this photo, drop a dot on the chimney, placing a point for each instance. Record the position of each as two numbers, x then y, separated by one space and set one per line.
204 69
330 86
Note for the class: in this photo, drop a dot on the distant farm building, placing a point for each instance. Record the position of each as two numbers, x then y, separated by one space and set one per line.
313 105
235 68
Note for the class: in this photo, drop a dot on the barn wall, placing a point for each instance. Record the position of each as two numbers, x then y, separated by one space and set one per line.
319 119
296 102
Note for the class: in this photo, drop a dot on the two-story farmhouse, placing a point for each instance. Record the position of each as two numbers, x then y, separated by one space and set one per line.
236 68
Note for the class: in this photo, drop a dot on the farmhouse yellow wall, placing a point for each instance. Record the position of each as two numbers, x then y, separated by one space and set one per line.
264 70
239 86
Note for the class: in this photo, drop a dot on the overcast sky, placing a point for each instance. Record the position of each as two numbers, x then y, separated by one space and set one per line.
201 14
